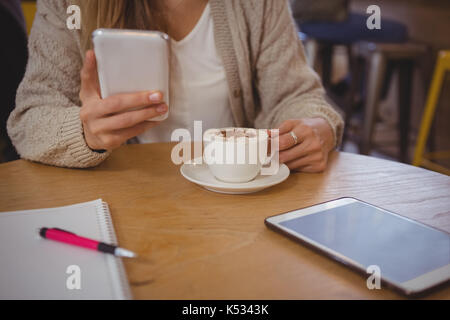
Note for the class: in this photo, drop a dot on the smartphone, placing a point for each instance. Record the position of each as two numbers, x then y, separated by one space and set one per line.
131 61
407 255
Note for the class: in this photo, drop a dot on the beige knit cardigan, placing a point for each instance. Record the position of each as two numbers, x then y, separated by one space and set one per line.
268 77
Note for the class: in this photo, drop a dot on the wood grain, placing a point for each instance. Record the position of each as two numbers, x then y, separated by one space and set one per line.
195 244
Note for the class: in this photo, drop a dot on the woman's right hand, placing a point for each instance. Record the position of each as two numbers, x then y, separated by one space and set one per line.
109 123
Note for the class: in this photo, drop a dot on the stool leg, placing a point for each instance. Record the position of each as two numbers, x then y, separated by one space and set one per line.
348 105
374 86
327 57
311 48
390 68
430 108
356 64
404 103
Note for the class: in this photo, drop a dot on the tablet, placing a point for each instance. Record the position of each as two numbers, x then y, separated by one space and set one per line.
410 256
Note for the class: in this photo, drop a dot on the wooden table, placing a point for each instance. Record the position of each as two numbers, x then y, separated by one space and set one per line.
196 244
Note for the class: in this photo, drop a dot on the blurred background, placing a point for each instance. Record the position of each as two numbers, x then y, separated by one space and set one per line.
391 84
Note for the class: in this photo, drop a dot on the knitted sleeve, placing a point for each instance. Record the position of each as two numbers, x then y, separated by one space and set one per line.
288 88
45 125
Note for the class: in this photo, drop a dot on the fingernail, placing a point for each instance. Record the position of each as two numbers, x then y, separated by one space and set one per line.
155 97
161 109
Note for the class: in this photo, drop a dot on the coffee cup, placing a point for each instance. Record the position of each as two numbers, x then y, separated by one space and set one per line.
235 155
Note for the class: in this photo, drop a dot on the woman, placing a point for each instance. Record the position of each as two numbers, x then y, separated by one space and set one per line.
244 59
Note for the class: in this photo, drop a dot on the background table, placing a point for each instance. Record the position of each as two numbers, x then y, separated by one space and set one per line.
195 244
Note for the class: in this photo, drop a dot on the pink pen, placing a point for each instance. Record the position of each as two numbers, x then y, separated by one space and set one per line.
71 238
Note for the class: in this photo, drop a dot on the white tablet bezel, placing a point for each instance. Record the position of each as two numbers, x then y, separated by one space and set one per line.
410 287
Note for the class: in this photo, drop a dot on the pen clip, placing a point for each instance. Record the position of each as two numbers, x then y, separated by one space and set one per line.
58 229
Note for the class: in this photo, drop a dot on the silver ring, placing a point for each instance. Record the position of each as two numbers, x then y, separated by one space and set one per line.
294 136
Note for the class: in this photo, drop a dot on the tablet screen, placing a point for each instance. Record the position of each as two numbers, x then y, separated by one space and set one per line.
401 248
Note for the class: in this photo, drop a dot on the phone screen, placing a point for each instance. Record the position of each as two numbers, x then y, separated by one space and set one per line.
401 248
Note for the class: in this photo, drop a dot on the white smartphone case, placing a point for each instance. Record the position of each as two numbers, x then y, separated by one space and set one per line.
131 61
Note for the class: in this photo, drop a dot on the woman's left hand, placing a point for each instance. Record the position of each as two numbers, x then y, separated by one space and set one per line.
315 140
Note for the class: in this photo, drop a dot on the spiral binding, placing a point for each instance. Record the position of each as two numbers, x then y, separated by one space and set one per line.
109 236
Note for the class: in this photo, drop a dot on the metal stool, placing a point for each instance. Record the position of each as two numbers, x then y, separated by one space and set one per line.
321 38
420 157
383 59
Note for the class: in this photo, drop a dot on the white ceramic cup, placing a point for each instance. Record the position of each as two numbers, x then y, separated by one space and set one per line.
235 159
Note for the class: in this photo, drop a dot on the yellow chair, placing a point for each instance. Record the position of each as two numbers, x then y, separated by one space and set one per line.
29 11
421 158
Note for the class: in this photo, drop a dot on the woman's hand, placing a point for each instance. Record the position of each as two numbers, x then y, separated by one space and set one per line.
110 122
315 140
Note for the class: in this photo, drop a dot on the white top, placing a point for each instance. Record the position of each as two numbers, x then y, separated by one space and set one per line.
198 85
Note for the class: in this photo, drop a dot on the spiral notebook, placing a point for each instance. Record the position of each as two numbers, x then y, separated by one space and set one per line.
36 268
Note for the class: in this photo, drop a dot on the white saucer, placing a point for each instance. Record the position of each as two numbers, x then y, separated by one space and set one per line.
200 174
